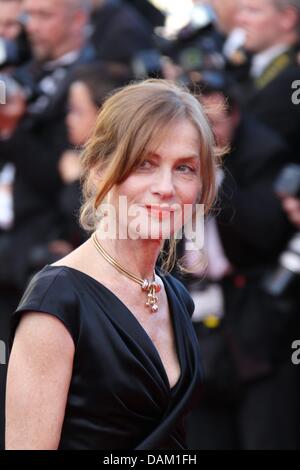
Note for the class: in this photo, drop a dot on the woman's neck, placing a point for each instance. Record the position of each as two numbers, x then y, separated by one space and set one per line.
137 256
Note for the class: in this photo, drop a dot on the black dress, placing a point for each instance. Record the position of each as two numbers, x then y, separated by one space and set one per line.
119 396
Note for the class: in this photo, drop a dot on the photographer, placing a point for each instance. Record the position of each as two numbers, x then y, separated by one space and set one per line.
33 136
10 26
285 278
32 127
14 45
14 49
251 392
272 37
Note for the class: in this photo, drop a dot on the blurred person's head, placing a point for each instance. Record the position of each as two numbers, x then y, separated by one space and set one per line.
223 115
225 11
91 87
269 22
97 3
10 26
82 113
55 27
218 94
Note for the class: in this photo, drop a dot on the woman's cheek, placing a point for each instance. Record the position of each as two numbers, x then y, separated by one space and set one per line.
136 184
190 191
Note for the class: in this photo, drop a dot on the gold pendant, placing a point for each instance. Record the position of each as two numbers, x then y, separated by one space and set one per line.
152 288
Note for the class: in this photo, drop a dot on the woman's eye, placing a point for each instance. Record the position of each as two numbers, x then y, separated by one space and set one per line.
186 169
145 164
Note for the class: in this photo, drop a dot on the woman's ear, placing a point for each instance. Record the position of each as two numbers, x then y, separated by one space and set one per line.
289 18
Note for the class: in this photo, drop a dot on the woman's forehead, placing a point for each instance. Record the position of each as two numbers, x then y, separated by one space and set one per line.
182 133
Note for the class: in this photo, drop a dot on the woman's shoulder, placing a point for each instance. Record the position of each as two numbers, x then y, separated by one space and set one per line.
49 281
52 291
180 291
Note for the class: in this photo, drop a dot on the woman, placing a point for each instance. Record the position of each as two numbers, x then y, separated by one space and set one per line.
101 368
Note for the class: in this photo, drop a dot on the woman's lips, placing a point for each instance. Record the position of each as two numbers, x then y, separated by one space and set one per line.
160 211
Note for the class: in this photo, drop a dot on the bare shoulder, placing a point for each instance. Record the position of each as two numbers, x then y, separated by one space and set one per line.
43 334
38 379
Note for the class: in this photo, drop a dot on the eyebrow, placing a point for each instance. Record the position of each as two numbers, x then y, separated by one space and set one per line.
193 156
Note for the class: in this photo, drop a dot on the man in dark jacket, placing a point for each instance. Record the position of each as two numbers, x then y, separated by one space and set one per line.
272 36
252 386
32 137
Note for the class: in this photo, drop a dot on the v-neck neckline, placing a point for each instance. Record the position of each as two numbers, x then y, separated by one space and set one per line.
174 321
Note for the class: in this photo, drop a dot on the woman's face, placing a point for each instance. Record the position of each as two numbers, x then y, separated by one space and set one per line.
162 186
82 114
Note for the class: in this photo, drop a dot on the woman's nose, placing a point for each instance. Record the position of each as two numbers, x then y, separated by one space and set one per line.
164 184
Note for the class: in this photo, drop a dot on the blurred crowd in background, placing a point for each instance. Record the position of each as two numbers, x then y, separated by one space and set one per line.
59 59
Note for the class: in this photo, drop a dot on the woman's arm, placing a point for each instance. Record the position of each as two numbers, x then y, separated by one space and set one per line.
39 375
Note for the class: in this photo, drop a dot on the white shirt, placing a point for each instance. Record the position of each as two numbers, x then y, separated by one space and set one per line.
7 176
235 40
66 59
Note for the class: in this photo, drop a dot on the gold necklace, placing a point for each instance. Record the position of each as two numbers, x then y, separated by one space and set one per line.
151 287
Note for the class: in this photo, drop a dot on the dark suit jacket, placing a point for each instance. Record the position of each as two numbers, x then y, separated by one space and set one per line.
254 231
269 99
251 222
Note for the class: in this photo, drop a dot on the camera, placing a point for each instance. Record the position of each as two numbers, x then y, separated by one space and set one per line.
18 84
10 86
287 274
147 63
195 48
198 46
14 52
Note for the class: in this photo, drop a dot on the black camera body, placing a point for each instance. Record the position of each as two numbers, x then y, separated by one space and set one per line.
14 52
197 47
287 274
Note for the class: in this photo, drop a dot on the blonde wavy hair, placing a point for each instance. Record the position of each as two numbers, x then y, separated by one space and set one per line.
130 120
